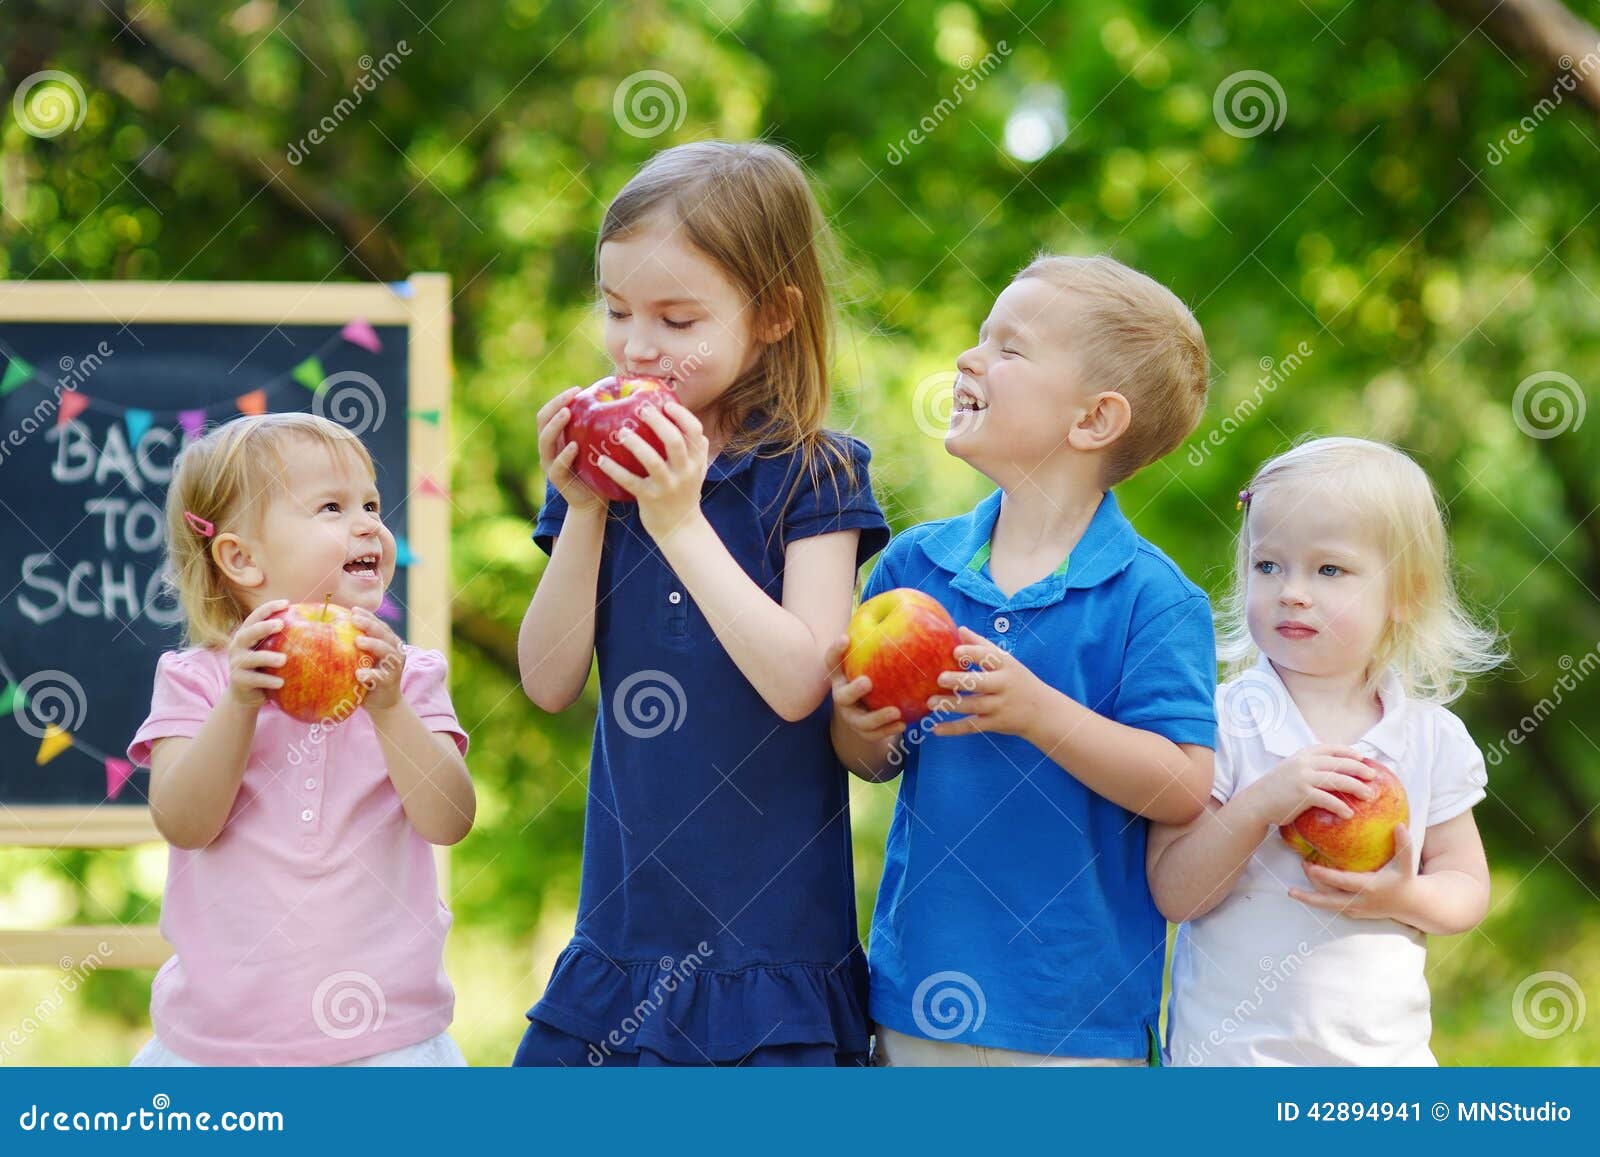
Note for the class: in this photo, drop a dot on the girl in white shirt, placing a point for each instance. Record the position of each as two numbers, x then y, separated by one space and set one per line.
1349 638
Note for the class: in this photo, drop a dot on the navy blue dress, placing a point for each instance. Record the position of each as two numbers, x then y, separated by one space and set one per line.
717 918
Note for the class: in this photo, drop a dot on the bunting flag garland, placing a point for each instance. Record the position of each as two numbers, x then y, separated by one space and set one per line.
55 741
426 485
358 332
308 372
17 372
118 772
389 609
402 552
72 404
429 416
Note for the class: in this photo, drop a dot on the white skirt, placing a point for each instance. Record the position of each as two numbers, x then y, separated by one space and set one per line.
437 1052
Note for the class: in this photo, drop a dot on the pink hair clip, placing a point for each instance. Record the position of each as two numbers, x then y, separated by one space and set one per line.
1244 498
206 528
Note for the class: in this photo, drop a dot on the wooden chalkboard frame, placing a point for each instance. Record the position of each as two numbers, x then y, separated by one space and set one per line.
422 305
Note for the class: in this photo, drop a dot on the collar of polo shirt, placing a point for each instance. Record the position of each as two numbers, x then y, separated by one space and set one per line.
1284 730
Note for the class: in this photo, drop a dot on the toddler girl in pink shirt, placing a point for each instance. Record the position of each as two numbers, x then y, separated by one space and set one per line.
301 899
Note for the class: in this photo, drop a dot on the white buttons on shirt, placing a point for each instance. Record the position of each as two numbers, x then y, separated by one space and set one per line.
311 784
675 598
1002 624
308 815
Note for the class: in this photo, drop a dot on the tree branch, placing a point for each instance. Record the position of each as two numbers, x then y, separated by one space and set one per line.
1543 32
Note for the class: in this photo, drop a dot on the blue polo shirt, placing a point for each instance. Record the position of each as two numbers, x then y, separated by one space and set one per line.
1014 910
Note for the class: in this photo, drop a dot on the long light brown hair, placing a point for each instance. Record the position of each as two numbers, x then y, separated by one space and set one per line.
749 208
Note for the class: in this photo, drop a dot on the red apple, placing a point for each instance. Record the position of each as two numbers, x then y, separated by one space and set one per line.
599 416
902 640
319 676
1362 843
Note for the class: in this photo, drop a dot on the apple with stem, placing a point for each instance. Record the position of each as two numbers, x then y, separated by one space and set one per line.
1362 843
321 661
902 640
600 414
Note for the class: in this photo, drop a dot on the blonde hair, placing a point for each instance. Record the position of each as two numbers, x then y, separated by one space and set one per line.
1137 339
1435 644
750 210
227 477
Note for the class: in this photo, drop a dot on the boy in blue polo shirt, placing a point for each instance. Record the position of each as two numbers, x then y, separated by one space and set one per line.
1014 924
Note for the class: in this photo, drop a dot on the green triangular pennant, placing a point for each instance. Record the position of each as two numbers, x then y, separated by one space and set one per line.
17 372
9 698
429 416
309 373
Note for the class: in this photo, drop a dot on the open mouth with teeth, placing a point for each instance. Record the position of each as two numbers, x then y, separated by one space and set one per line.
968 402
363 566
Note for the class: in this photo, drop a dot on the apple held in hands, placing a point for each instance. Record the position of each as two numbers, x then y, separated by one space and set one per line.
599 416
319 672
902 640
1362 843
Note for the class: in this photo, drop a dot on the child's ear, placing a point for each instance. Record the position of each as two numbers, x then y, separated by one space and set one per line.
1106 420
234 560
778 320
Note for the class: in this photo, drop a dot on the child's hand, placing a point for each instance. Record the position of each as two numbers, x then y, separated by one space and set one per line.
873 726
382 680
1380 895
1000 693
1308 779
556 459
669 493
249 674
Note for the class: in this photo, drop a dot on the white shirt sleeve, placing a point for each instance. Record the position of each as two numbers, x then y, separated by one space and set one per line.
1223 778
1458 776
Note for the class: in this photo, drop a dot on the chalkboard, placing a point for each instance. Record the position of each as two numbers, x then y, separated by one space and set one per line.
100 386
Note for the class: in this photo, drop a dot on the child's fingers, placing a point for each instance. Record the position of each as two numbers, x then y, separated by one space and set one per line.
851 692
667 430
1329 802
649 459
685 418
883 719
833 657
970 681
621 475
1324 900
1337 781
253 660
555 403
259 680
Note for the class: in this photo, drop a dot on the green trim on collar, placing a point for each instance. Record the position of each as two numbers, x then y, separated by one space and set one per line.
982 557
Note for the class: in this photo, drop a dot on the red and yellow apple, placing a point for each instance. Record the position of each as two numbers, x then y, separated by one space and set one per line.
902 640
600 414
321 660
1362 843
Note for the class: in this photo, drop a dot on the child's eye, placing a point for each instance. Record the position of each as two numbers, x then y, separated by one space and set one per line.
1265 566
615 314
372 508
333 506
1007 350
1330 570
670 324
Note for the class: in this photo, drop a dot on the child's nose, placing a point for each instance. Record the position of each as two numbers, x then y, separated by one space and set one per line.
968 362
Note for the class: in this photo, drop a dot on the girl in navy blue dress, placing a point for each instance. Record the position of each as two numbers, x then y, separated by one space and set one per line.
716 921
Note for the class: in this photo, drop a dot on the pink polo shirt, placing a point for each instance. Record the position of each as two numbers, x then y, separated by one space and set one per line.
310 931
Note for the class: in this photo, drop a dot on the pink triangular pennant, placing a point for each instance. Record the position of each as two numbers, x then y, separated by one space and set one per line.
387 609
358 332
118 772
72 404
192 421
426 485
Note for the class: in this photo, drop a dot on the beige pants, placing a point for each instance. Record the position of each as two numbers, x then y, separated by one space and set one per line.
896 1049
